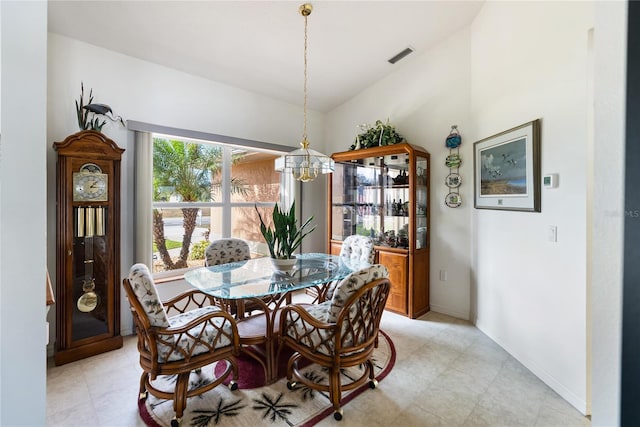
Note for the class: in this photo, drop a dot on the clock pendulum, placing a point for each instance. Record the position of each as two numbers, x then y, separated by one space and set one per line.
89 300
91 223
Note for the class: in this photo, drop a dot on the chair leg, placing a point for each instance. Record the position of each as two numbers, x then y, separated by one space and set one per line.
180 396
335 394
291 365
234 366
233 385
143 386
373 383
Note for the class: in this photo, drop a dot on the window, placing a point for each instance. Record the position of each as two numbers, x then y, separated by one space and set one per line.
197 191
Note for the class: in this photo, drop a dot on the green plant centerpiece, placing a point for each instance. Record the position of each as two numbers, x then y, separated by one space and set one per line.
284 237
376 136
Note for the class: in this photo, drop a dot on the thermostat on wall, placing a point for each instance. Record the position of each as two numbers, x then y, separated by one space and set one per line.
550 180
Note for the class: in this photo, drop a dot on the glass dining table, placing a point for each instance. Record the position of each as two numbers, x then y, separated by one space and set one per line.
254 282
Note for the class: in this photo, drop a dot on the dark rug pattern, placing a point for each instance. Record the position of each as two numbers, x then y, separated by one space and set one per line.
251 373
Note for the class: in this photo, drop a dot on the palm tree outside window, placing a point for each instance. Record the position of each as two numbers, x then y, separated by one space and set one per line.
203 191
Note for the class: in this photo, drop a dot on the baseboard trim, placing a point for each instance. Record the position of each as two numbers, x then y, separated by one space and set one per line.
449 312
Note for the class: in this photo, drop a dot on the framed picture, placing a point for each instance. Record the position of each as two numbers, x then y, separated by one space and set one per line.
507 169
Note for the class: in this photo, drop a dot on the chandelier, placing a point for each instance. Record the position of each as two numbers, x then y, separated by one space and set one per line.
304 163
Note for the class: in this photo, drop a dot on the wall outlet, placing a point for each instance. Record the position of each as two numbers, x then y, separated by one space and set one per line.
443 275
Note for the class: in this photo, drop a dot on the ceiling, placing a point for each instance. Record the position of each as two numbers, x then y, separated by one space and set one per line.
258 45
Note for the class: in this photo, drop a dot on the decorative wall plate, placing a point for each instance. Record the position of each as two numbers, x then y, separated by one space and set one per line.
453 161
453 141
453 180
453 200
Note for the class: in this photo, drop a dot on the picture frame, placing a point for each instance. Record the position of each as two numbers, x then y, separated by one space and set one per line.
507 169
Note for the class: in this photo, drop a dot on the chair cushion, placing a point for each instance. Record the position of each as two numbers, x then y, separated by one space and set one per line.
145 291
205 331
183 318
319 311
356 252
350 284
314 337
358 249
223 251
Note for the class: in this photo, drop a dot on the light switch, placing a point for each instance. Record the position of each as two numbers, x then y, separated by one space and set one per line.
553 233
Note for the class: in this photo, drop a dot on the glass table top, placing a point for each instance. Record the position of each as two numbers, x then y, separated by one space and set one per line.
257 278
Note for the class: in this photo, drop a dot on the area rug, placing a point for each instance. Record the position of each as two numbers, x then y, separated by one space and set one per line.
273 405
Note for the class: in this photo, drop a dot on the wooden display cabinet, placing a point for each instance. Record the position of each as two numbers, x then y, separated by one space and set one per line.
87 246
383 192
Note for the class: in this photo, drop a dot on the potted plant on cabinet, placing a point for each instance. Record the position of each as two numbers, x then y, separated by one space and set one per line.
284 237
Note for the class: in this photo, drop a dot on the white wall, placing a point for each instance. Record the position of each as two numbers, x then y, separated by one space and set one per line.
608 210
142 91
529 60
427 94
23 47
518 61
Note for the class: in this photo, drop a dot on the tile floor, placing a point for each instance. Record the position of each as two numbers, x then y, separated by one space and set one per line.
447 373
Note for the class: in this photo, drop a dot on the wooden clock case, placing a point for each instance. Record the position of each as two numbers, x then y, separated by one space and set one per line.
87 251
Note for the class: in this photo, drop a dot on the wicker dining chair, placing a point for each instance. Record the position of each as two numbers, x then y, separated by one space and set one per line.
338 333
179 336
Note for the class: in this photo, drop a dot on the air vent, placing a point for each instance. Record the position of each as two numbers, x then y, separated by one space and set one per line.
400 55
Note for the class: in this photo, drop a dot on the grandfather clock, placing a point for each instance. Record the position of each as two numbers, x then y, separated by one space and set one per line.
88 246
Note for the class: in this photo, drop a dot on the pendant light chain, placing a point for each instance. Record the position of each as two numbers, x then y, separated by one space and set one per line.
304 132
304 163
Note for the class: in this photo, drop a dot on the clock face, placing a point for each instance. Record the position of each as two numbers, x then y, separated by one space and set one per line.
91 187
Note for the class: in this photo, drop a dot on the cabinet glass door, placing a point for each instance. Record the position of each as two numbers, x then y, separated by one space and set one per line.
371 198
342 203
422 200
395 182
356 204
90 301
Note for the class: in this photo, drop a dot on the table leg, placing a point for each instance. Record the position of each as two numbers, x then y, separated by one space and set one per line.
256 331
